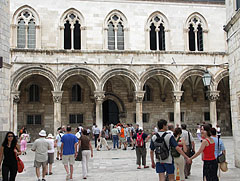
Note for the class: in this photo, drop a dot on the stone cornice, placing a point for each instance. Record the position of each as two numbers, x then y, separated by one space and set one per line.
233 20
61 51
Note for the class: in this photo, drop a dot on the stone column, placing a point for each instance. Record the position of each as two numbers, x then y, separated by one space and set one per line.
99 97
72 36
177 108
15 98
157 36
139 95
213 96
57 99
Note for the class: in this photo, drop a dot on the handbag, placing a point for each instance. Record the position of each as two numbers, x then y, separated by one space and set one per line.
191 152
20 164
220 158
79 155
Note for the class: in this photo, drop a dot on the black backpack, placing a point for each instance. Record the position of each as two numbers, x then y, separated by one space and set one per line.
174 152
161 149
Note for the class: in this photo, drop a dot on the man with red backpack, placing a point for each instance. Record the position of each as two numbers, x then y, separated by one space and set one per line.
141 152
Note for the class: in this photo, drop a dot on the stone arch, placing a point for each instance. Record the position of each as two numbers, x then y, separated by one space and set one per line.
78 71
158 71
118 13
27 71
191 72
200 17
219 76
119 71
74 11
117 100
27 8
161 15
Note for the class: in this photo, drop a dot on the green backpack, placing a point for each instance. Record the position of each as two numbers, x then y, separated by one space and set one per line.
174 152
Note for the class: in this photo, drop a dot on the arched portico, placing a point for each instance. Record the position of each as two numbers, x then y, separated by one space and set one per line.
22 76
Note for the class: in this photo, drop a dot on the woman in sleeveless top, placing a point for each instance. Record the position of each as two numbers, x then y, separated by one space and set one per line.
207 149
179 161
8 151
85 144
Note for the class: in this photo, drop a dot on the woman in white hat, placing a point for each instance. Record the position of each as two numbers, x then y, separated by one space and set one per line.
50 139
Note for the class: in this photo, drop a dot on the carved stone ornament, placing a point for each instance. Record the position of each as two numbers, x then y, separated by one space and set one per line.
213 95
57 99
139 95
57 96
99 95
16 98
177 96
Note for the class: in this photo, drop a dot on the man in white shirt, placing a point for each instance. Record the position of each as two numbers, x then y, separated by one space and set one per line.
186 135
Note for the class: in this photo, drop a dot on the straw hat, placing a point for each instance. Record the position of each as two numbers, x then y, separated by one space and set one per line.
42 133
223 166
50 136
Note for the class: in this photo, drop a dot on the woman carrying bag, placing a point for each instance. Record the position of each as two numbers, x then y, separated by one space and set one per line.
9 151
87 150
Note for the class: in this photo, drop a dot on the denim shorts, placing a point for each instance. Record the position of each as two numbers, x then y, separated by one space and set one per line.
164 167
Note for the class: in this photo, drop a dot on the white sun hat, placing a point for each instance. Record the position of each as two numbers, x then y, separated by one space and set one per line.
42 133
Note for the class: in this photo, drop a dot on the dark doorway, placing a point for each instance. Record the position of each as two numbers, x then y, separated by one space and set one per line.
110 113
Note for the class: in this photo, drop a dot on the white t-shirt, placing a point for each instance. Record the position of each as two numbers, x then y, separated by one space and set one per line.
51 143
78 135
58 138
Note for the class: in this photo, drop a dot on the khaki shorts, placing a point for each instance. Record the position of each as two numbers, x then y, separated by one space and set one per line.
59 149
122 140
68 159
39 164
50 158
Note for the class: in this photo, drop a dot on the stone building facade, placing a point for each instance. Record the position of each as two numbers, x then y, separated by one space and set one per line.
5 68
114 61
233 34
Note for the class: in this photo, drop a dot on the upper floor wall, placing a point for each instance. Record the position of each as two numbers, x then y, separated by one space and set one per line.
4 30
95 16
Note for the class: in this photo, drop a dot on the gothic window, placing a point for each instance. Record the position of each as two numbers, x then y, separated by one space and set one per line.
76 93
72 32
157 33
147 95
34 93
115 33
195 34
26 30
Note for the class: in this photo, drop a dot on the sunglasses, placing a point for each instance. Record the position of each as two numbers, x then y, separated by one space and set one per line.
10 136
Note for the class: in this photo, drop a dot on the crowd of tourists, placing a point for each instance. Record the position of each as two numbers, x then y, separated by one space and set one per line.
170 149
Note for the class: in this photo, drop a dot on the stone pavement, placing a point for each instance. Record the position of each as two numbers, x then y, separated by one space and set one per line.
119 165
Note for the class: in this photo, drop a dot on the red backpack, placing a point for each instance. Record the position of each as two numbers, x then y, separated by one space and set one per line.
139 140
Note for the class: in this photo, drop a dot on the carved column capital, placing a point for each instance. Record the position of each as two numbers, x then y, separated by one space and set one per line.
139 95
213 95
177 96
16 96
99 96
57 96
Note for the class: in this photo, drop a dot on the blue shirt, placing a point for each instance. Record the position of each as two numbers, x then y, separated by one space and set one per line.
69 141
219 150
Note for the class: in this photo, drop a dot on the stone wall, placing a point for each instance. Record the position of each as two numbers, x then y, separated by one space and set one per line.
4 71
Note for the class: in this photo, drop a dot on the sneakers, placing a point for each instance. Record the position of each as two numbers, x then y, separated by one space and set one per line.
139 167
68 177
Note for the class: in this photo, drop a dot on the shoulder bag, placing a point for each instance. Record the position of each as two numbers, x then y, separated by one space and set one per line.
191 152
220 158
20 164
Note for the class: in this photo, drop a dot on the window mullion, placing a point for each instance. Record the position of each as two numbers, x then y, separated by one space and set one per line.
115 33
